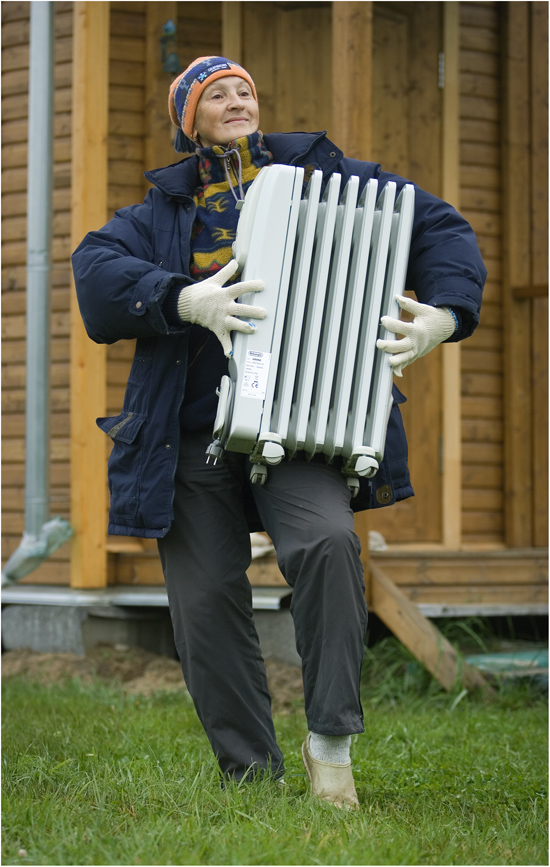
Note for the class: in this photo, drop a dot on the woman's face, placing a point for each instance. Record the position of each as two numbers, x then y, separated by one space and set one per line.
226 111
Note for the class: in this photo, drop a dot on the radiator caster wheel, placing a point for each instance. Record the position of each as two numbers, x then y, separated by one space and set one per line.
258 474
353 485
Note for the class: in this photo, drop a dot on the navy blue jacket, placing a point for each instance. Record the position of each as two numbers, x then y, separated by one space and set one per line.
124 272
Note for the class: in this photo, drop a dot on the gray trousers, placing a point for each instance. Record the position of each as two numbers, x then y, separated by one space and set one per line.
305 509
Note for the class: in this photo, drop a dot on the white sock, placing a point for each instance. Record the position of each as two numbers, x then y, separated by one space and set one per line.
330 748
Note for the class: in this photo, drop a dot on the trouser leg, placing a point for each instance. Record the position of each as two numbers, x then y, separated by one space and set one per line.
305 508
205 557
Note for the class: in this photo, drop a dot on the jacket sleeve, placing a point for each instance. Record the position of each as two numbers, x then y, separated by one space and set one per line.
445 265
120 287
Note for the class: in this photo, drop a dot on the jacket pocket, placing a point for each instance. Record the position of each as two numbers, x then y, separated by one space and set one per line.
125 461
122 428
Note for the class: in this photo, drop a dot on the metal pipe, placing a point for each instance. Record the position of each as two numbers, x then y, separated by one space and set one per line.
39 219
41 536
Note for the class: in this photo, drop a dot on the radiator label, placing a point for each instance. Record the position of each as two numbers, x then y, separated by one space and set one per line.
256 370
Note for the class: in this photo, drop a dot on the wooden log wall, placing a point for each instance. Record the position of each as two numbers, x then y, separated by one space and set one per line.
526 273
15 75
15 63
287 48
272 52
199 30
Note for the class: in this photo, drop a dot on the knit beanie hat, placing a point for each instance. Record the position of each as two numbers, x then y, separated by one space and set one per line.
187 88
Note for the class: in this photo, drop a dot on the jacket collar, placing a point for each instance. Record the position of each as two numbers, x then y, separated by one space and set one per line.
180 180
297 148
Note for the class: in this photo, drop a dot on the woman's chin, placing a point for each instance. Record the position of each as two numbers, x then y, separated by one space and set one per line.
238 130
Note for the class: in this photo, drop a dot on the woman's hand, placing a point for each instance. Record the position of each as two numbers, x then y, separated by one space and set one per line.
211 304
430 326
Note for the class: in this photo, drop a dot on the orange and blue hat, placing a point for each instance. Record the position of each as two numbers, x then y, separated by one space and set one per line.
187 88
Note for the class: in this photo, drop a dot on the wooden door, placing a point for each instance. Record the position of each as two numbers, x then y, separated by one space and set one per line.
406 131
287 49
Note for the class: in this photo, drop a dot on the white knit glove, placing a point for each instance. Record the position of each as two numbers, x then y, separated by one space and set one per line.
430 326
211 304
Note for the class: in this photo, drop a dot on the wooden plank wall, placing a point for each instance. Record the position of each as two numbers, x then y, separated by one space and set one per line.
497 578
282 44
526 272
407 138
481 185
199 32
15 63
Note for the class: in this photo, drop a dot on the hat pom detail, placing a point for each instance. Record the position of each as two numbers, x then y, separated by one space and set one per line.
183 144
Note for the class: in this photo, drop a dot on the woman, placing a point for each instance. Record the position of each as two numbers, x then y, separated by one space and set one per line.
158 272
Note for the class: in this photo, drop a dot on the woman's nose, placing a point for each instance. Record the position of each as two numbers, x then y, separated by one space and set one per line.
236 101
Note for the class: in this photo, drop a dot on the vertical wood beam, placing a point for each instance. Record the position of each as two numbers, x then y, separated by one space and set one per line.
539 275
539 330
159 149
232 31
351 125
451 353
518 461
88 360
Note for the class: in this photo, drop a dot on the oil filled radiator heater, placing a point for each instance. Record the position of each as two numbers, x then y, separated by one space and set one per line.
310 379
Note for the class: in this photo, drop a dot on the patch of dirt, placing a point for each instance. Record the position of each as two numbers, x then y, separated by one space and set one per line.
137 671
285 686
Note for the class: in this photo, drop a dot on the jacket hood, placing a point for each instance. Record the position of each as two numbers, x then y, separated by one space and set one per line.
179 180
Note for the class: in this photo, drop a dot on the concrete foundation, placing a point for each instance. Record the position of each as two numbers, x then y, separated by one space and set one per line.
277 636
43 628
75 629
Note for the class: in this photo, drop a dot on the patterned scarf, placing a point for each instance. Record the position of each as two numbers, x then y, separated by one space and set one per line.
217 217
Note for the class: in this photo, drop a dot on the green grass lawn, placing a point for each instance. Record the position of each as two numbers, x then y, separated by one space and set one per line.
94 776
